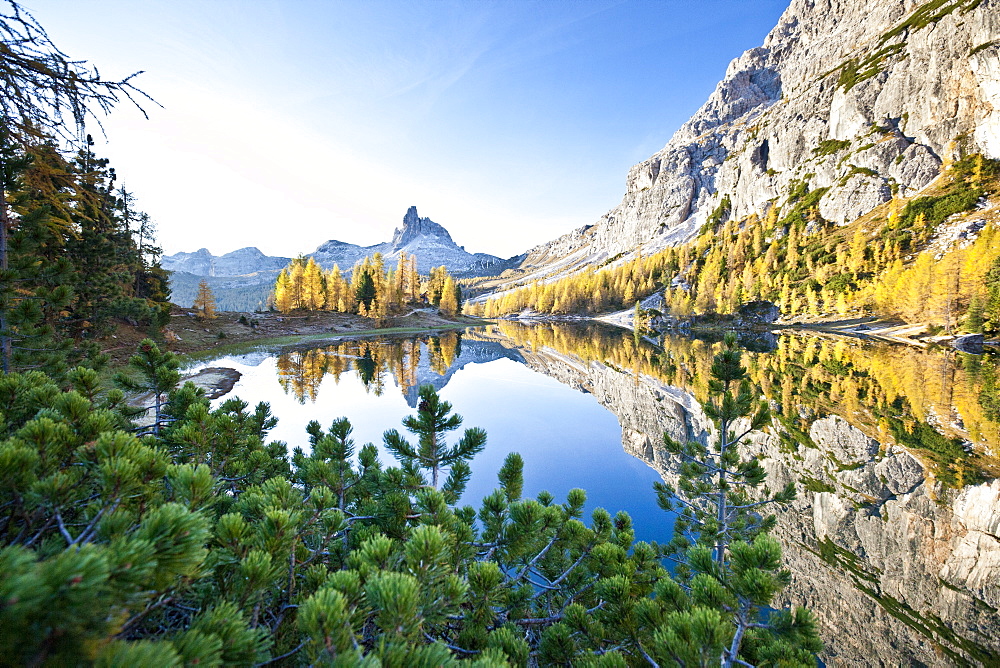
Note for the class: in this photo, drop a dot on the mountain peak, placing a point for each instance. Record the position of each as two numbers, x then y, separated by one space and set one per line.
414 226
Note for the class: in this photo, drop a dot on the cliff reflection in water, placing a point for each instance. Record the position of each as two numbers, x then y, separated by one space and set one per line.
893 540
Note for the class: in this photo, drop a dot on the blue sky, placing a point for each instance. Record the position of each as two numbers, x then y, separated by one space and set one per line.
285 124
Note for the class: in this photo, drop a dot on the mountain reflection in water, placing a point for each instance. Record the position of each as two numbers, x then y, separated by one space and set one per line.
893 540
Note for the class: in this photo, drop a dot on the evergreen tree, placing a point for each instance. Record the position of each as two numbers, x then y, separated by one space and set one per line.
103 252
154 371
991 309
720 531
34 281
430 425
364 285
72 266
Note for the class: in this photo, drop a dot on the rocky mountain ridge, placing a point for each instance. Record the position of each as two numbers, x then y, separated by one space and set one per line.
858 98
428 241
242 279
237 263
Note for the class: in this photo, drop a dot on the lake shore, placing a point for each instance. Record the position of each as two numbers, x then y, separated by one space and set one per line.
893 330
193 337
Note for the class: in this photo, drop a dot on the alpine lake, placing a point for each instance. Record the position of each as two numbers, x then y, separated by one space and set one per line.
893 540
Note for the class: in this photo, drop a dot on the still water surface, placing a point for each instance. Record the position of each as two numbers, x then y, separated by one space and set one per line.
892 541
565 437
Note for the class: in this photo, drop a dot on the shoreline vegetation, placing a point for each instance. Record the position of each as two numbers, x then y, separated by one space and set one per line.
196 340
202 341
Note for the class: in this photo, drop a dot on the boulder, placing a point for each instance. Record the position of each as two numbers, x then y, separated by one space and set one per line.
757 313
970 343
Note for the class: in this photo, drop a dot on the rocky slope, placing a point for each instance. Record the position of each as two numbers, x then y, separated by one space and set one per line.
898 570
856 96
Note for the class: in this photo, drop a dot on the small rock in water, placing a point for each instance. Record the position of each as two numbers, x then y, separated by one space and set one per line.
970 343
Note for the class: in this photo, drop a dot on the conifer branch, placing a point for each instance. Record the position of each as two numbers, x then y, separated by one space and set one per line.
283 656
531 564
62 529
135 619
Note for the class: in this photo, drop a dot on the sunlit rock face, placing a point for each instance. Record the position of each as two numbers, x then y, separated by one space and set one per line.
794 109
898 569
428 241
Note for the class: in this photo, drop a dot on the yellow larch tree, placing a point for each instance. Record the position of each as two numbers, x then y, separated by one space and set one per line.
283 293
449 301
296 274
335 287
313 290
204 301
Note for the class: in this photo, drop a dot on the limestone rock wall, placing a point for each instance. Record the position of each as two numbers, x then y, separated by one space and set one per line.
791 110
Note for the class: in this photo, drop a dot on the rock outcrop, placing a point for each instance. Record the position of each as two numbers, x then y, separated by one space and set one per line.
422 237
756 313
856 97
414 226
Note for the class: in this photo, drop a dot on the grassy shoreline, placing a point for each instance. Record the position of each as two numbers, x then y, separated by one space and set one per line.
191 358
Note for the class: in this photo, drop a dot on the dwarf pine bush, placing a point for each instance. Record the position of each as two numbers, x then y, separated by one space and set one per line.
204 544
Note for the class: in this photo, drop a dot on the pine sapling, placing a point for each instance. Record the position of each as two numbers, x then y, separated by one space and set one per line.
431 423
720 535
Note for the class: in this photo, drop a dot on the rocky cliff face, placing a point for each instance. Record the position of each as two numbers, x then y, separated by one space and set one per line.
857 96
897 569
414 226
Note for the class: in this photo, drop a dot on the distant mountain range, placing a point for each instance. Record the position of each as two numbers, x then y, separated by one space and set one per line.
238 263
241 280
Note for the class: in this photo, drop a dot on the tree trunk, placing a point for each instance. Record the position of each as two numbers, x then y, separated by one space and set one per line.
720 543
156 424
729 656
5 342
